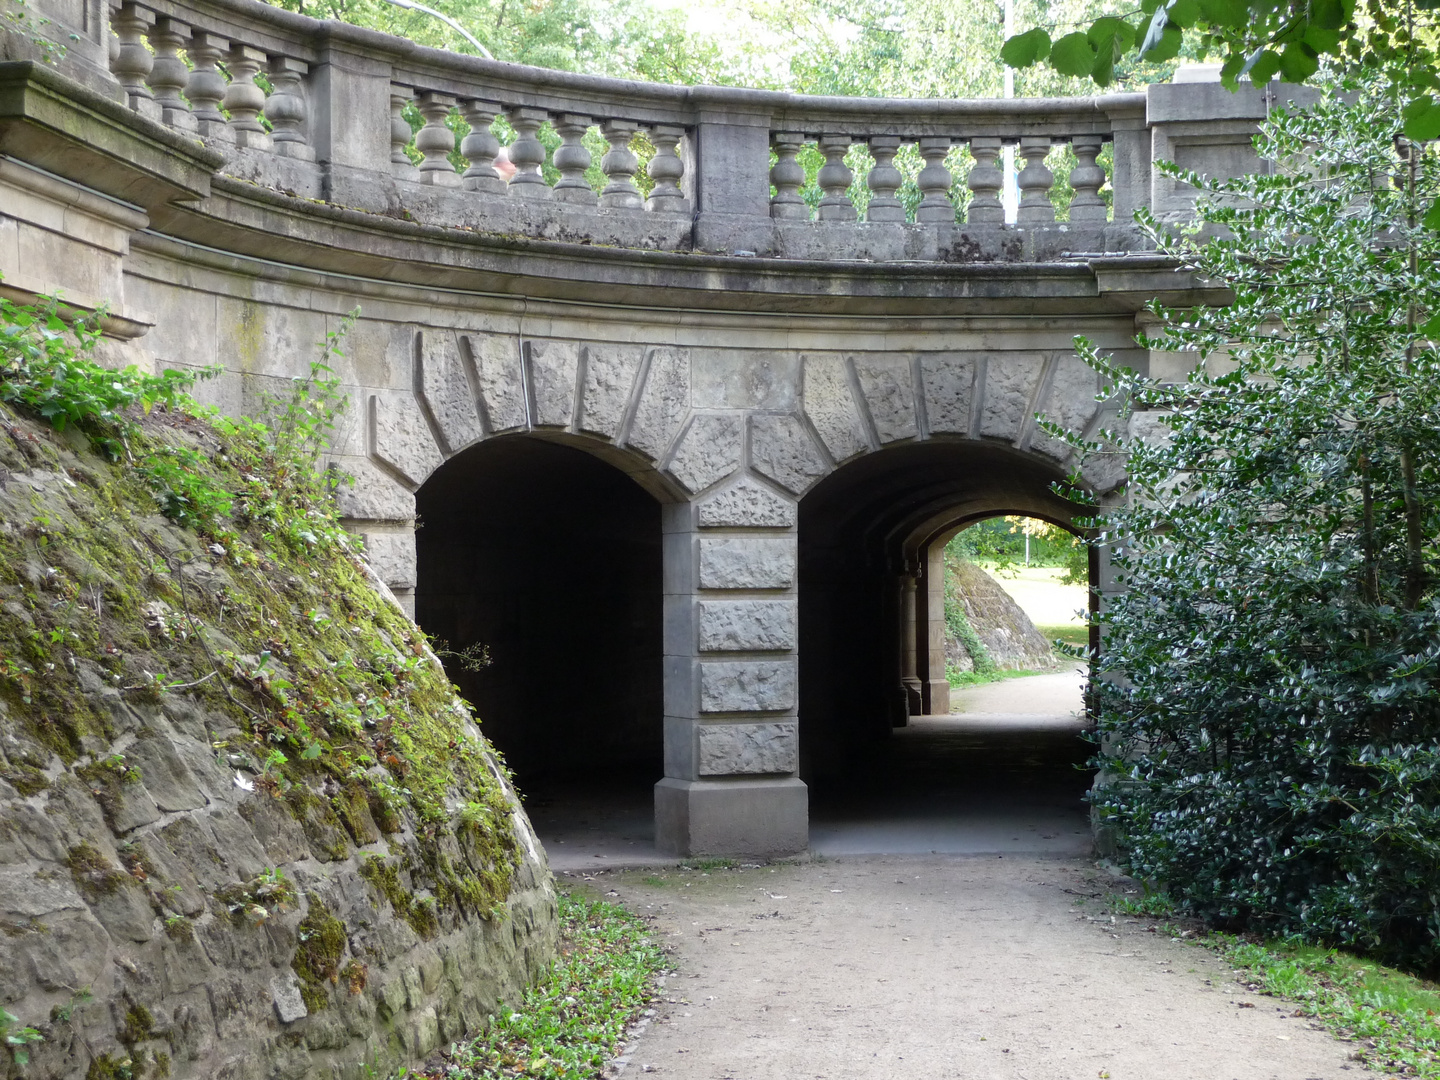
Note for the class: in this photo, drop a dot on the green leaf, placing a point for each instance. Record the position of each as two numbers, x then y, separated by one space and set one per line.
1111 33
1263 66
1298 62
1422 119
311 752
1022 50
1103 73
1323 41
1431 220
1331 14
1073 55
1232 14
1167 48
1153 32
1431 328
1183 12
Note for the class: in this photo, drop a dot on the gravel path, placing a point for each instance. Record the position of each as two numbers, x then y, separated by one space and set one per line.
921 967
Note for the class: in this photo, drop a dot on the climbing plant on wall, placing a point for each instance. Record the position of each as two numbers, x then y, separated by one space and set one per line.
1270 718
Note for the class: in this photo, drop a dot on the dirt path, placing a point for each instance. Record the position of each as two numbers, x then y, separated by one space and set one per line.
921 967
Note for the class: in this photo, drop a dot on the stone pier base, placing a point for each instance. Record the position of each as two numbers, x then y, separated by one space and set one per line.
732 817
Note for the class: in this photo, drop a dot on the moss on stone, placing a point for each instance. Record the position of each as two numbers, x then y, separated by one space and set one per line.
109 1067
137 1026
26 779
317 959
385 877
95 876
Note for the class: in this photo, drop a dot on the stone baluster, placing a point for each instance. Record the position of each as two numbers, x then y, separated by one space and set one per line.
985 181
527 154
435 140
243 100
133 63
170 73
286 108
1035 181
620 166
884 180
1087 178
572 159
480 148
401 167
788 176
934 182
666 169
835 178
206 86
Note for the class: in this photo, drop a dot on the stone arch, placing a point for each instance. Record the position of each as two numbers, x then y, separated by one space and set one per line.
866 534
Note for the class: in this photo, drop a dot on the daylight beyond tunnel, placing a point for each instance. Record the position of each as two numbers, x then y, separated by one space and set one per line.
864 534
550 559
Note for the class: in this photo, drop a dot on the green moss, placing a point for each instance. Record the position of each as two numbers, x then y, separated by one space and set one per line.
386 878
95 876
26 779
107 1067
317 959
137 1026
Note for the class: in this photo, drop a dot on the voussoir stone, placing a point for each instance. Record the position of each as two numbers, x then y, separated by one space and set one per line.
552 377
949 389
610 372
392 556
444 386
664 401
886 383
497 371
1010 383
747 686
708 452
1070 403
781 449
747 562
748 749
401 439
735 625
747 503
830 405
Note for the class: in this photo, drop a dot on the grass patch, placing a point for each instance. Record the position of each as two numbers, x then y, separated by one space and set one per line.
1069 633
573 1021
959 679
1391 1015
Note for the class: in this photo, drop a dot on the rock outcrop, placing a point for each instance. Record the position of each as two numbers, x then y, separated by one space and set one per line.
1001 624
246 827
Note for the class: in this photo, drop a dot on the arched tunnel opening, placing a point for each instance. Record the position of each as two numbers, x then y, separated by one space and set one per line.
550 559
889 767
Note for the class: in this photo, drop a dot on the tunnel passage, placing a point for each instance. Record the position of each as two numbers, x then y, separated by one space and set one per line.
549 558
867 533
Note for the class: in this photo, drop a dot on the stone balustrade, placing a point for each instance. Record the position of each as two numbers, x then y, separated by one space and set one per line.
336 113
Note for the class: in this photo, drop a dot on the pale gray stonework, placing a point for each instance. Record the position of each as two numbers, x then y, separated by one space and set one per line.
747 625
553 365
1010 383
781 448
746 563
446 389
497 370
830 405
949 379
748 749
889 395
747 503
733 686
709 451
663 402
400 438
610 372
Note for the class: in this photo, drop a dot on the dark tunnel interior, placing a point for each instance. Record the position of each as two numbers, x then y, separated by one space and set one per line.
550 558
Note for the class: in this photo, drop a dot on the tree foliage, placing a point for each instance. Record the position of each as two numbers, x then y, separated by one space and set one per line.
1254 39
1269 700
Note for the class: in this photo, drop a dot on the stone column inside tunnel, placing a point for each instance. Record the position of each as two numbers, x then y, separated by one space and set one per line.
932 630
731 782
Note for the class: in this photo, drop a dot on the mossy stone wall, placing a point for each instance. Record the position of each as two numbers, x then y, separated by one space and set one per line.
174 901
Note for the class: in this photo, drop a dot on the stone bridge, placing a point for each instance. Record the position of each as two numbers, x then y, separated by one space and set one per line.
680 452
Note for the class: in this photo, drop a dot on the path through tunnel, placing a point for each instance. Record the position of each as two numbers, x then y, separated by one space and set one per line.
888 770
550 559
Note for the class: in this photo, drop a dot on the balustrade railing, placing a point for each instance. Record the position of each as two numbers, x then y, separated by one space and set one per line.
358 108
